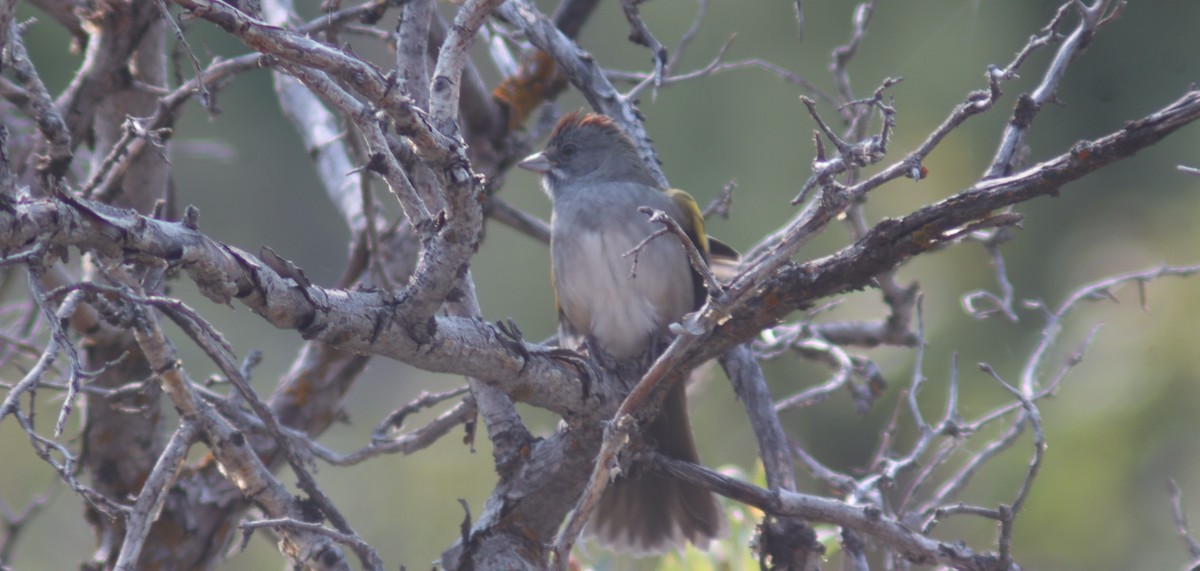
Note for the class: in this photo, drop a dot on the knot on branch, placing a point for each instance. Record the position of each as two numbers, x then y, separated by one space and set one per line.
787 543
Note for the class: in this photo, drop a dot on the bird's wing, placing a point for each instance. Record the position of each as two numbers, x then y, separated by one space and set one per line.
693 222
723 260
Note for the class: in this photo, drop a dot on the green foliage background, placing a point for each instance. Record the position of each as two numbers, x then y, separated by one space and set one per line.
1123 423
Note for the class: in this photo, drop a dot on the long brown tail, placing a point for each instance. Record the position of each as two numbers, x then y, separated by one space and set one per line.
649 512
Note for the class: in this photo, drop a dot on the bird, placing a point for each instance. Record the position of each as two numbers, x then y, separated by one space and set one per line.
596 181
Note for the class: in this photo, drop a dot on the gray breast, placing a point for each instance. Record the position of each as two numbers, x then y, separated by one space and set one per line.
597 289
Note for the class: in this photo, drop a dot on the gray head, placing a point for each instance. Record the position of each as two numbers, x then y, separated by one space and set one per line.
588 148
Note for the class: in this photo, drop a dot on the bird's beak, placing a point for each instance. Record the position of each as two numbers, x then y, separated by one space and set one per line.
536 162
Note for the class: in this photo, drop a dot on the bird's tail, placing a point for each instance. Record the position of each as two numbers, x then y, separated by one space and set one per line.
649 512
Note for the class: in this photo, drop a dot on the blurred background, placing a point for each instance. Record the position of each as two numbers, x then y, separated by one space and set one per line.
1123 422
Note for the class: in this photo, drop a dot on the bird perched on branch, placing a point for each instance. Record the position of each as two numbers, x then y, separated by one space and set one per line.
597 181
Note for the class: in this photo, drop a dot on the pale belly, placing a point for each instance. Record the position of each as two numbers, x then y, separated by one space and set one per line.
601 298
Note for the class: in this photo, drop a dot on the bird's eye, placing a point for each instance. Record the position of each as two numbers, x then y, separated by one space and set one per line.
568 151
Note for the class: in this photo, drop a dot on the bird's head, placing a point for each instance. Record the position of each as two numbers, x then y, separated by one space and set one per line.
585 148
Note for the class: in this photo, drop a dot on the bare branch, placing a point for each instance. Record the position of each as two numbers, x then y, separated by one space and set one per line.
15 524
47 115
322 136
1029 374
787 542
154 493
909 544
893 241
1091 18
408 292
445 86
1003 303
842 55
519 220
106 179
412 43
751 387
370 558
718 66
1181 522
239 461
694 256
641 35
584 74
1008 513
407 443
617 434
344 68
205 97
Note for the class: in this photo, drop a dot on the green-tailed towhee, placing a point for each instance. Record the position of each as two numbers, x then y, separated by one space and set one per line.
596 180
